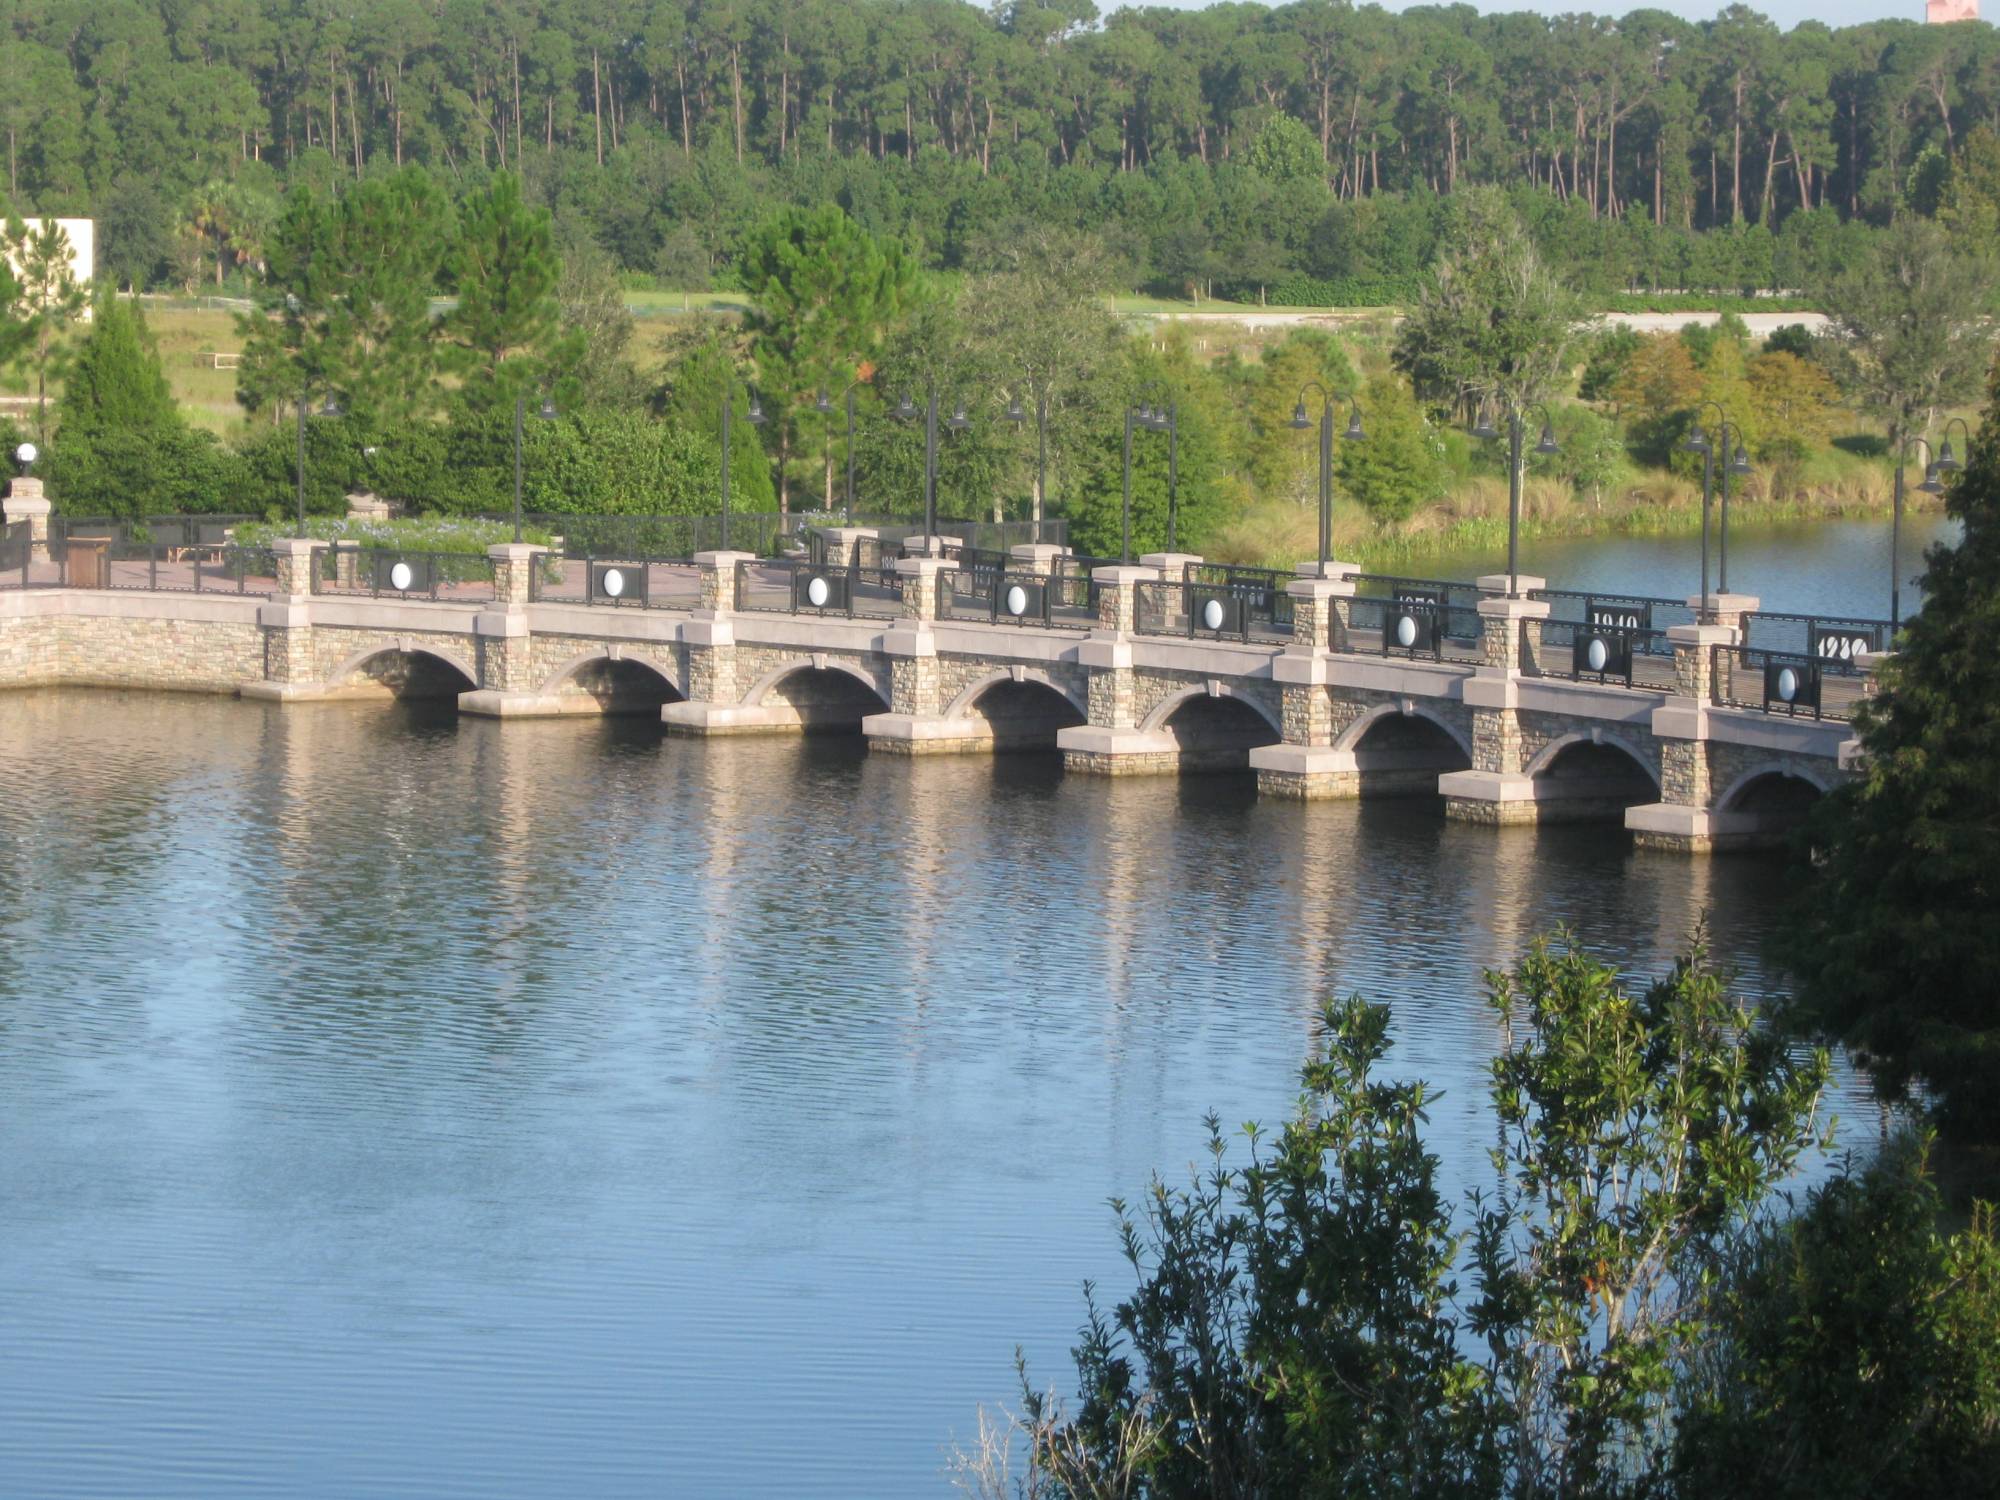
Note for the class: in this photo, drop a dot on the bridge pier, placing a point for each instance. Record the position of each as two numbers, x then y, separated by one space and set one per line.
1305 766
714 703
1498 789
502 642
914 724
1110 742
285 621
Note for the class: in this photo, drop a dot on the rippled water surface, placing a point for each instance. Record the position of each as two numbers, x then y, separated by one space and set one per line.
391 1104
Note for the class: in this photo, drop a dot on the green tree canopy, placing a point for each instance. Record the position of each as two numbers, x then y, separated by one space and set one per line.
505 334
1892 938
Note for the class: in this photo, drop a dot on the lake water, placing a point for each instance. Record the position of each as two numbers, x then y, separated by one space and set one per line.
392 1104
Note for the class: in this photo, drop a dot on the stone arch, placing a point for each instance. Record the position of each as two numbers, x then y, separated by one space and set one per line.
584 662
771 679
1550 753
1770 770
380 662
962 704
1351 737
1174 702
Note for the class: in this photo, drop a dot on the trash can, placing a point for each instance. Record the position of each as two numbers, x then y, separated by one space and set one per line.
88 561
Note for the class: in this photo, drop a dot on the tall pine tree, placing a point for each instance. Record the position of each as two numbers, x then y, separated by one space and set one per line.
1893 938
505 336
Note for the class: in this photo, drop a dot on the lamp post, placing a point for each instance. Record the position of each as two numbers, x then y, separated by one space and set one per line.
1354 434
1152 419
1932 485
754 416
1482 427
958 421
1015 414
547 413
331 408
824 407
1735 460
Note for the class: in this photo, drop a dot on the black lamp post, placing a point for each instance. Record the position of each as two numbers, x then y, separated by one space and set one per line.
547 413
1482 427
330 408
1735 460
1152 419
958 421
824 407
754 416
1932 485
1015 414
1354 434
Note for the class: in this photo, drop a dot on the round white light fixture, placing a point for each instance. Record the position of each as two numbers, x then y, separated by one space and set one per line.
27 453
401 577
1211 614
1017 600
1788 684
1406 631
817 593
1597 655
614 582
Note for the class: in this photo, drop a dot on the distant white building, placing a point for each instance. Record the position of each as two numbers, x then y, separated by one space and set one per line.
1944 12
82 248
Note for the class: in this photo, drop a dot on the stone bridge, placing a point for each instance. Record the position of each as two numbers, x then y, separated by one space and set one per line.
1323 713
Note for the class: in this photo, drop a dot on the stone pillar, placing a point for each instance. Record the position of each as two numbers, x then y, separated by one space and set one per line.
1116 595
1306 767
514 565
1328 570
289 669
1497 789
920 577
718 581
1725 610
937 546
26 502
500 631
1683 819
366 505
1171 566
842 543
1036 557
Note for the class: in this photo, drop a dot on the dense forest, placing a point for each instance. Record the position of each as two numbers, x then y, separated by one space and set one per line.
1298 152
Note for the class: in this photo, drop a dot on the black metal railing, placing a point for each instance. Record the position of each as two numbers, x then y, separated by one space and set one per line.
1017 596
797 587
1828 638
1579 652
1264 589
618 581
1204 611
101 562
1593 610
17 555
1417 617
1797 684
389 573
160 531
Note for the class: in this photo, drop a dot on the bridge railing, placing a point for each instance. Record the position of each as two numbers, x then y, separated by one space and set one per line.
1263 588
1206 611
616 581
1593 610
797 587
17 556
159 531
1016 596
1610 654
1797 684
1830 638
98 562
392 573
1417 617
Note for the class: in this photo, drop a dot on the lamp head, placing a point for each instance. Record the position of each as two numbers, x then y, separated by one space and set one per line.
1932 485
756 412
1696 441
1354 434
331 406
1482 425
821 403
1299 417
906 407
1948 461
1014 412
1548 444
958 421
547 411
1740 463
25 456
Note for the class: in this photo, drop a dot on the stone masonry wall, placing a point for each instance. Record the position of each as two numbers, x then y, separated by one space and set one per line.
201 656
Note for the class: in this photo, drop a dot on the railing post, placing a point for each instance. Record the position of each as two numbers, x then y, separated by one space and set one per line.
1726 611
718 581
26 502
1036 557
1117 592
844 542
1503 621
1172 566
920 577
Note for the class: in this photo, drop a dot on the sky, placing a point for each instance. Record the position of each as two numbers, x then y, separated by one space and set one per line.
1787 13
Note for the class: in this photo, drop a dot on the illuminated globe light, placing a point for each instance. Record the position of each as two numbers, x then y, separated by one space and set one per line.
1017 600
817 593
27 453
614 582
1597 656
401 577
1406 631
1788 684
1211 614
